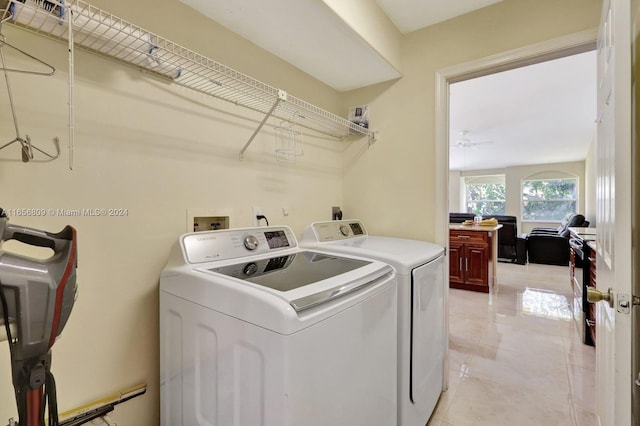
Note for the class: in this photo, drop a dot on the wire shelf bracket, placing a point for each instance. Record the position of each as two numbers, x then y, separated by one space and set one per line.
282 96
101 32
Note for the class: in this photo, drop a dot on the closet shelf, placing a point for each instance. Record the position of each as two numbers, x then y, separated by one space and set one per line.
101 32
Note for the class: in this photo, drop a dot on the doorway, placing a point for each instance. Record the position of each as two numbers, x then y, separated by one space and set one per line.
531 123
566 46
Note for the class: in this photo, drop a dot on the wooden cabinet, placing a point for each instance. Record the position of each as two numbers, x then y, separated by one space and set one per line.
582 268
592 306
456 262
471 259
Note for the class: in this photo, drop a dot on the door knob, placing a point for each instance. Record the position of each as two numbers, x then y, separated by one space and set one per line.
594 295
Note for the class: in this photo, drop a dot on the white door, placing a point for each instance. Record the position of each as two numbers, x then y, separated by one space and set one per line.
613 215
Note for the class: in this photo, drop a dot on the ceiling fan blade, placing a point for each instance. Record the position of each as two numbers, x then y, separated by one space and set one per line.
469 144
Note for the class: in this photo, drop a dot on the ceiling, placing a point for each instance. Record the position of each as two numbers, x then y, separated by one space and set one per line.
311 36
543 113
412 15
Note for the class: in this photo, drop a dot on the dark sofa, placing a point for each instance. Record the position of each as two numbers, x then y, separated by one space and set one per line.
510 247
551 245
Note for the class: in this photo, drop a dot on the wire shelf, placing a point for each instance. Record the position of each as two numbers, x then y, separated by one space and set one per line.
106 34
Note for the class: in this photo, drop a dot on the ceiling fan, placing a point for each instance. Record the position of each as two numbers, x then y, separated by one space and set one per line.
465 143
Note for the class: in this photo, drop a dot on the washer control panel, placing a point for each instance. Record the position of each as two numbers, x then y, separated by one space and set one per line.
335 230
200 247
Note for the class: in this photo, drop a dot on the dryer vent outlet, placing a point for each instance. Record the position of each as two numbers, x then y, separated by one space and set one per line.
210 223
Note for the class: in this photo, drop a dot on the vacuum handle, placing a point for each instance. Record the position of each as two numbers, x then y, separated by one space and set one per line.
34 240
35 237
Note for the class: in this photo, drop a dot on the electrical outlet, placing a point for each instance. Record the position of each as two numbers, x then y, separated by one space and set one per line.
336 213
257 211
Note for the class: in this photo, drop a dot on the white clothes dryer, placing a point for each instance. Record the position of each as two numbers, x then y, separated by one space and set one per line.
422 342
257 331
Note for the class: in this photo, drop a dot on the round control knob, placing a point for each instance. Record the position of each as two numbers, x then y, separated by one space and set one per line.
250 269
250 242
344 230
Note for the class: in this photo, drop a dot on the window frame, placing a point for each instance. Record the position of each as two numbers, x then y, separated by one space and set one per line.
467 201
576 200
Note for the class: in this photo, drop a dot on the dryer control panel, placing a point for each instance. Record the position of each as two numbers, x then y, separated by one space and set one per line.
335 230
203 247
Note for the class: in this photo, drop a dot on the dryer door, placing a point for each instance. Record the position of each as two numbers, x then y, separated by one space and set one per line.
427 333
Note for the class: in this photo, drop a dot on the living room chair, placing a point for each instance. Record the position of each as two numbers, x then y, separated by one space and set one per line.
550 246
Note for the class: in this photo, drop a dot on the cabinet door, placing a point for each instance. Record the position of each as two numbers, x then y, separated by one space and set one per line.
572 267
592 306
456 262
476 263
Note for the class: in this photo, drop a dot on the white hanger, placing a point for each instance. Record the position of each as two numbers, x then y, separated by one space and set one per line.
27 147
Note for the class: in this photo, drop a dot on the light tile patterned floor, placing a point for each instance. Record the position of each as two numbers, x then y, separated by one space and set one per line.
515 357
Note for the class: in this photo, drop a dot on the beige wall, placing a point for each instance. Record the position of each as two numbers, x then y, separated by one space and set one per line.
155 149
397 174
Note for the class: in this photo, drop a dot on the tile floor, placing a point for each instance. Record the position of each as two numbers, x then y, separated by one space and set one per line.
515 357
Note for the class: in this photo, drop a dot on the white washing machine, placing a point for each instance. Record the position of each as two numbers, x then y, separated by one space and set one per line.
422 342
256 331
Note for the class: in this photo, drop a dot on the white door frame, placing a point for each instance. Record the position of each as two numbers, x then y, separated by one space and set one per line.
563 46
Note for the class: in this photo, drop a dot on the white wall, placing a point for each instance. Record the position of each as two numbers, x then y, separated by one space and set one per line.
399 169
368 20
456 191
155 149
590 184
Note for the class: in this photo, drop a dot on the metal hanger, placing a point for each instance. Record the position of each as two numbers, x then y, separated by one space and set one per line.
3 43
27 148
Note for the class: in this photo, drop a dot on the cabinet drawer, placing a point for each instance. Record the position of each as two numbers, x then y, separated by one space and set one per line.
469 236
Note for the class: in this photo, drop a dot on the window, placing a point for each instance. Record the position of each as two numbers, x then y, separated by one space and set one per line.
548 200
485 199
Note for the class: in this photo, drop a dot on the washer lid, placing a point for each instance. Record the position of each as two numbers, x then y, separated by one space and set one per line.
290 271
400 253
340 237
